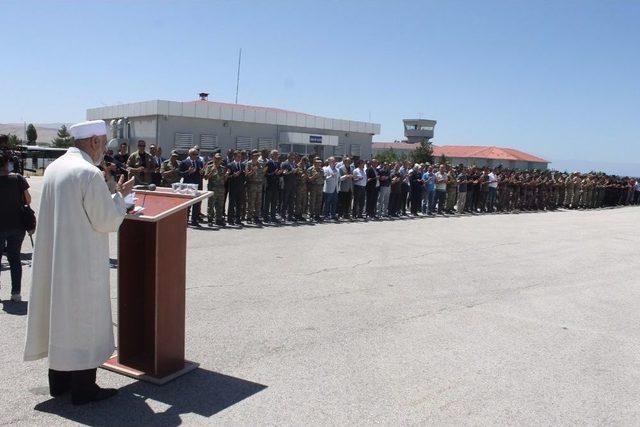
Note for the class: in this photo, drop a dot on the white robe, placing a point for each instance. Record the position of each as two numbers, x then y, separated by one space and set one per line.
69 317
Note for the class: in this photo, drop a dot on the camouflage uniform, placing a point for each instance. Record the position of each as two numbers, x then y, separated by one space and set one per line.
215 183
137 160
568 192
302 199
451 191
255 178
172 173
315 181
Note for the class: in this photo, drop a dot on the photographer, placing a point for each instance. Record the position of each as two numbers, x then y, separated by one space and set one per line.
14 162
14 194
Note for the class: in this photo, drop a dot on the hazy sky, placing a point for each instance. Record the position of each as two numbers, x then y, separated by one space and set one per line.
560 79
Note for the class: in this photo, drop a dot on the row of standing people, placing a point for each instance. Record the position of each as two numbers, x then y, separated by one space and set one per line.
265 186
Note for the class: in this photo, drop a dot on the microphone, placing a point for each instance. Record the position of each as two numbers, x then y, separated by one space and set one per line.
150 187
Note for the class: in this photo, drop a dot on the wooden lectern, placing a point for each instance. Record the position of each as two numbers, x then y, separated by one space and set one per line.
151 288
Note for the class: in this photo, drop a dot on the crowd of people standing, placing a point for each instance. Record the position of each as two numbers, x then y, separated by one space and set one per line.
269 187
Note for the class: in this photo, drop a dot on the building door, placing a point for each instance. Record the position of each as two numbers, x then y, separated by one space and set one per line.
318 151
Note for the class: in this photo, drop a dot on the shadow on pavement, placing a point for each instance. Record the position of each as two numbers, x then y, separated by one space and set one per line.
15 308
200 392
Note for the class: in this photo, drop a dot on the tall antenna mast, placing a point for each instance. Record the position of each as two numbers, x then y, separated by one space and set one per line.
238 78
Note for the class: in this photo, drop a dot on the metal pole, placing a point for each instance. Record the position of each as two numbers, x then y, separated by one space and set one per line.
238 78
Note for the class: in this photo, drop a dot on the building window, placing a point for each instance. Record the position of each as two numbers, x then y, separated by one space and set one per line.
355 150
285 148
243 143
299 148
266 144
208 142
183 141
339 150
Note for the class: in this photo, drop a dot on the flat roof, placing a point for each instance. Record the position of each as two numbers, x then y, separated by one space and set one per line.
230 112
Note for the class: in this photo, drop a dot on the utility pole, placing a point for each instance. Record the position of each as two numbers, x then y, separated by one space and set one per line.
238 77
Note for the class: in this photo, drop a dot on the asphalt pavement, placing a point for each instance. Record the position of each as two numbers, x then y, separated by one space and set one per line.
496 319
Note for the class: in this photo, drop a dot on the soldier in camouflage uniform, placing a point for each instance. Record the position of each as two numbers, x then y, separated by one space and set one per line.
302 199
170 170
315 182
568 192
255 177
216 176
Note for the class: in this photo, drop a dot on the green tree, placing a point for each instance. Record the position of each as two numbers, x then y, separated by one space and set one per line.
63 139
14 141
387 156
443 159
32 134
423 153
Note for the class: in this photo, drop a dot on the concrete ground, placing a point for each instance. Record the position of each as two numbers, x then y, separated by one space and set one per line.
496 319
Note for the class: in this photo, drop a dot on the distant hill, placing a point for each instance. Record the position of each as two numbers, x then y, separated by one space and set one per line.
614 168
46 131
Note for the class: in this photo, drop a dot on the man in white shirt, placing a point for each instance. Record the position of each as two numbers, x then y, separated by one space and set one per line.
493 190
441 188
330 189
359 188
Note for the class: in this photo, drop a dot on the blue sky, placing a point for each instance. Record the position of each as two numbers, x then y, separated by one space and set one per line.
560 79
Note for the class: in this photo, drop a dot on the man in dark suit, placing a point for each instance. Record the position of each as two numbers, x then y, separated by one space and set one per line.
290 187
272 175
236 180
372 188
190 169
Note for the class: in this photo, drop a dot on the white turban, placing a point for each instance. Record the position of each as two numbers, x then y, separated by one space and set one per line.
88 129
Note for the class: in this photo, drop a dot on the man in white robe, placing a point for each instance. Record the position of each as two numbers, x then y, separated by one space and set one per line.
69 317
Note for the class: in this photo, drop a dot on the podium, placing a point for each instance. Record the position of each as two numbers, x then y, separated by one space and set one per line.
151 288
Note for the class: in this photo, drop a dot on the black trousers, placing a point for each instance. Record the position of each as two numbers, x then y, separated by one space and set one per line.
372 200
195 212
81 384
344 203
288 202
404 192
441 197
271 200
358 200
394 203
235 199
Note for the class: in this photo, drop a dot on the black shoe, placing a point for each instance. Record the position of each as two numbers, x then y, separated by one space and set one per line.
61 390
98 395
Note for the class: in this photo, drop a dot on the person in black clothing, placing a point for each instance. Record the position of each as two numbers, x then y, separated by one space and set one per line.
120 160
470 205
415 184
290 187
236 187
395 194
14 193
190 169
373 183
272 174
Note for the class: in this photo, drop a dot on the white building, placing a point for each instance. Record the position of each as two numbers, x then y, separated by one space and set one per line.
217 125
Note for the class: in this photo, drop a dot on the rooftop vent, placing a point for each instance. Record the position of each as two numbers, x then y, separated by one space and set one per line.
203 96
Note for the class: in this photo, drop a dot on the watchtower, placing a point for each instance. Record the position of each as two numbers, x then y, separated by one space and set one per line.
418 130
